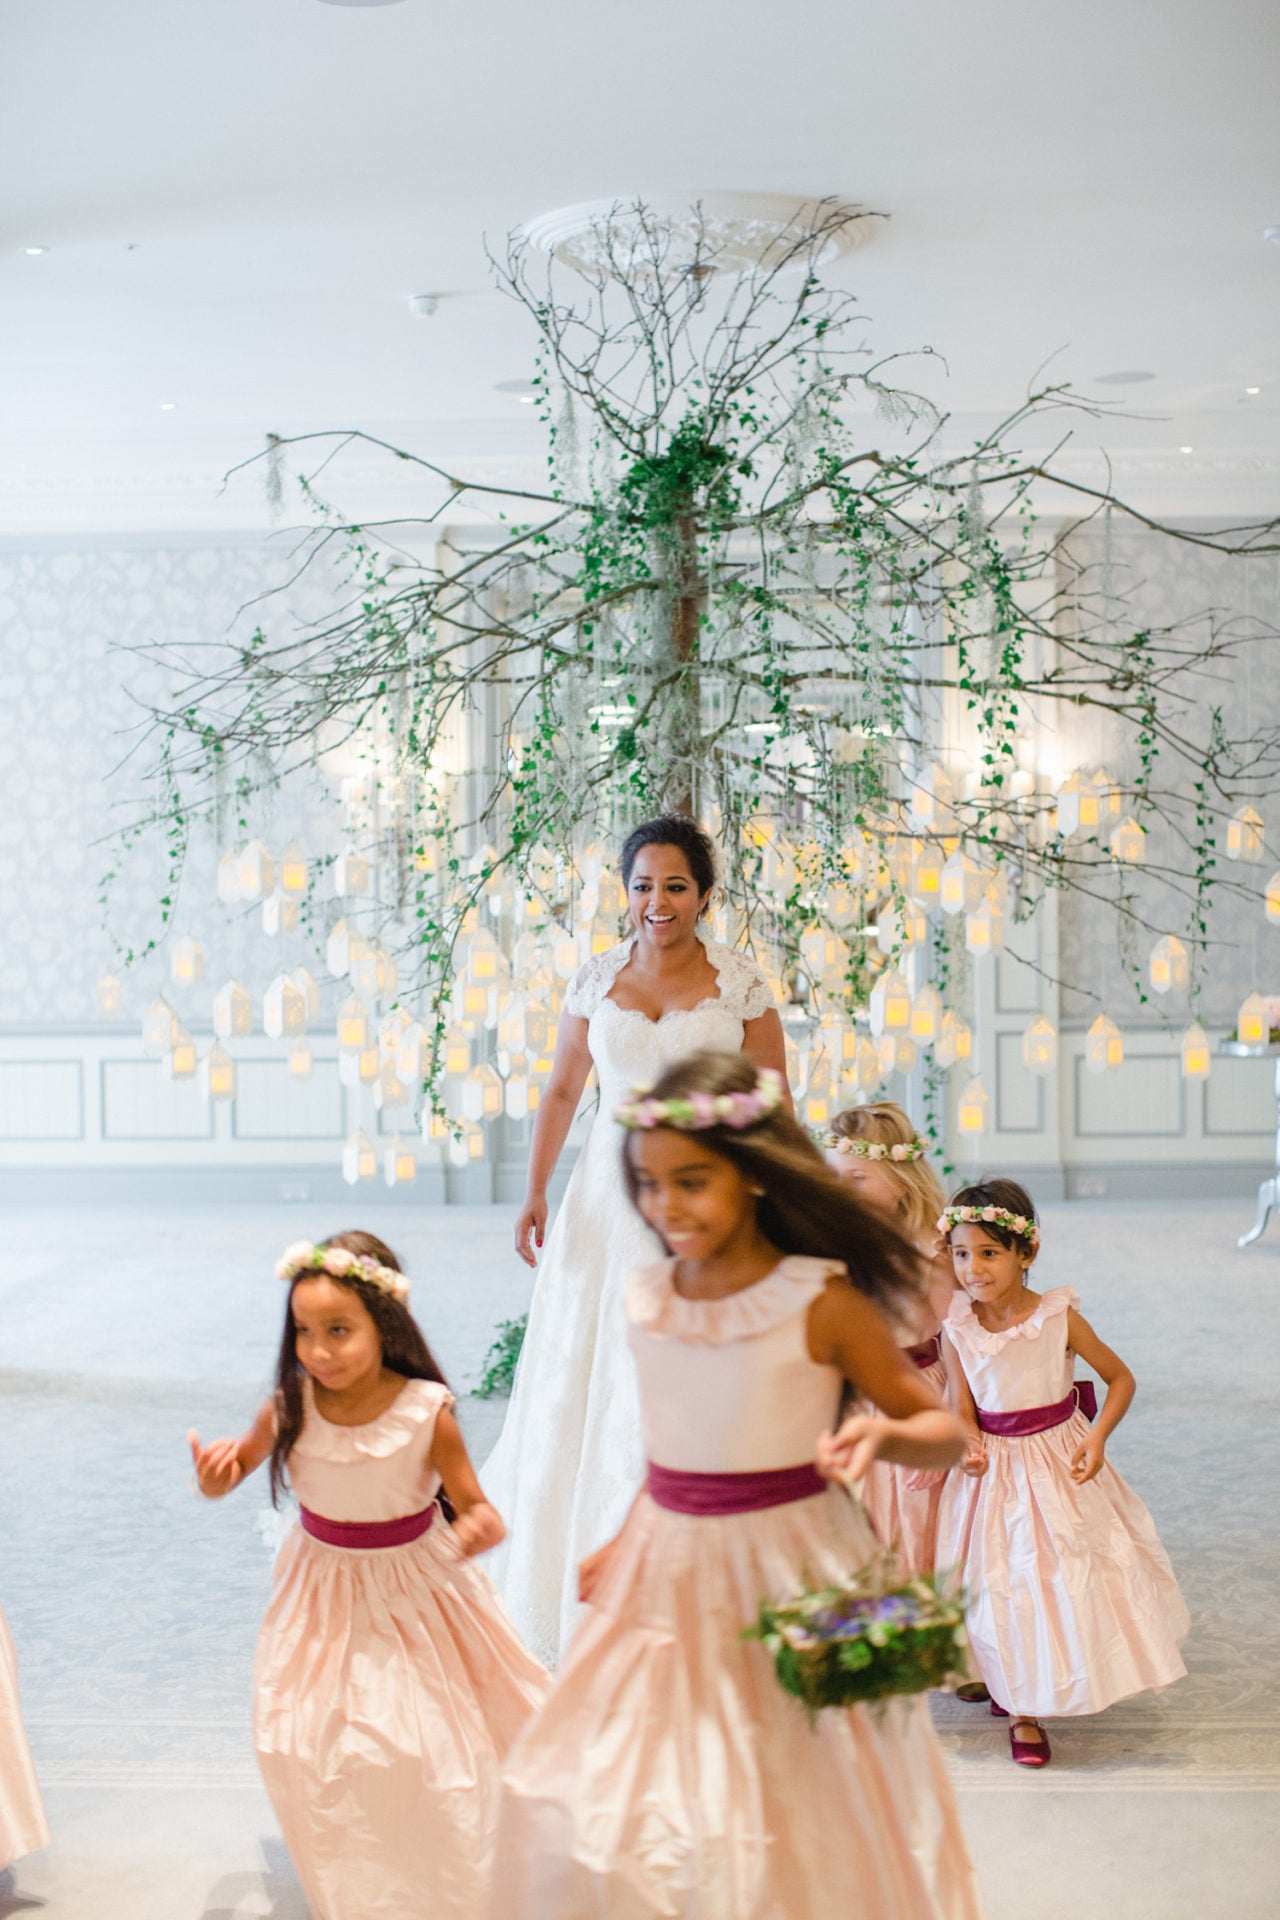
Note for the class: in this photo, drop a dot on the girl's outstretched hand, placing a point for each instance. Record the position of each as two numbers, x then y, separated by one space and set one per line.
1089 1458
847 1453
975 1461
218 1466
478 1529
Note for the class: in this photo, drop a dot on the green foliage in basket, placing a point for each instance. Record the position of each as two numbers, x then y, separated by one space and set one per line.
846 1646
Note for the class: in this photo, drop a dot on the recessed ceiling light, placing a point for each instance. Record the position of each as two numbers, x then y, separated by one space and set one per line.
35 250
1186 449
167 406
1127 377
1253 389
521 390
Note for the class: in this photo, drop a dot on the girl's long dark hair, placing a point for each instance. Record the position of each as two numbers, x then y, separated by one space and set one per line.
806 1208
403 1348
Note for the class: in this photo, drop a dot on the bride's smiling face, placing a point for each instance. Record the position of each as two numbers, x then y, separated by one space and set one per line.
663 898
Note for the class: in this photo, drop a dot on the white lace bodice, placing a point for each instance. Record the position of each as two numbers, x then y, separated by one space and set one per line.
627 1047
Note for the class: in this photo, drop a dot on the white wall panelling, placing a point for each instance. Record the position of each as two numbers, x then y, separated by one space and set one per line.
41 1100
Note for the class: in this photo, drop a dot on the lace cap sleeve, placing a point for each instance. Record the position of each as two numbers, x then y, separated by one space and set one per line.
744 990
591 983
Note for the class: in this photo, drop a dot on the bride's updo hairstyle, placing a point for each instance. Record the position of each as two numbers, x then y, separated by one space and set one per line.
404 1349
673 830
806 1207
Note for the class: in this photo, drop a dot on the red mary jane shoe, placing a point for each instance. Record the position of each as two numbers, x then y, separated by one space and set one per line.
1028 1753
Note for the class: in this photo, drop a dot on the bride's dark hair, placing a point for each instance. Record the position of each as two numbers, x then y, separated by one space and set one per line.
672 830
806 1206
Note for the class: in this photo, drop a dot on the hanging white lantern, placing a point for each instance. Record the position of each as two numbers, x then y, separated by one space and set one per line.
1272 899
1103 1046
984 930
1169 965
159 1025
232 1012
180 1063
279 914
310 992
483 1095
229 878
564 954
867 1065
1040 1046
971 1113
435 1128
293 869
924 881
930 793
926 1015
410 1054
284 1008
218 1074
955 1041
890 1003
483 956
350 875
1077 805
257 871
359 1158
301 1061
1194 1048
1129 843
457 1052
511 1027
337 950
399 1163
817 1098
353 1026
1246 835
895 1053
1108 795
897 928
110 997
962 884
358 1067
186 962
389 1091
516 1097
1253 1022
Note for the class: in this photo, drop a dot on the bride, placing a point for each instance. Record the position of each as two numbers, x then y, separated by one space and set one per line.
571 1457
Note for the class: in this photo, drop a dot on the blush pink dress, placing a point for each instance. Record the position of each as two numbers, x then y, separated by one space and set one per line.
1072 1601
668 1774
902 1502
389 1683
22 1823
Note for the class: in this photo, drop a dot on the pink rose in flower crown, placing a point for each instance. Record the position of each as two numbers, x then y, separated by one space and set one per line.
704 1109
991 1213
294 1259
338 1261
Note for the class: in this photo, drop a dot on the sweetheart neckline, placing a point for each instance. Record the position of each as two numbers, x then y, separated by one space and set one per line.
711 1000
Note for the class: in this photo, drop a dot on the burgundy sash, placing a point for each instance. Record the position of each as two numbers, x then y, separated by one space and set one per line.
926 1353
719 1493
1028 1420
364 1534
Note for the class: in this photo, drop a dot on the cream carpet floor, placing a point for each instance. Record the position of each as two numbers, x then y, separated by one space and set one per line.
134 1605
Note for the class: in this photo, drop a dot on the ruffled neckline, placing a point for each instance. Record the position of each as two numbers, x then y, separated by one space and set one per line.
654 1305
962 1319
414 1407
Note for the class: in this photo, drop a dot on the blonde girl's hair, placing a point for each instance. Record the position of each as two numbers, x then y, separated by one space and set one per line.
923 1194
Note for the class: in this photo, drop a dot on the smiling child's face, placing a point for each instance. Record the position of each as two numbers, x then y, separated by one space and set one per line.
989 1272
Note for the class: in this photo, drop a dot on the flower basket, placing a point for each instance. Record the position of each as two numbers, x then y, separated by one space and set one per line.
852 1645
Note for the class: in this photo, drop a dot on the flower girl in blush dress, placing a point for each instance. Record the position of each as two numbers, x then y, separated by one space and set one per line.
877 1151
390 1682
1072 1601
22 1822
669 1776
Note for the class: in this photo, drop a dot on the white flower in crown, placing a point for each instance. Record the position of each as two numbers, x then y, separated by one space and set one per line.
339 1261
294 1258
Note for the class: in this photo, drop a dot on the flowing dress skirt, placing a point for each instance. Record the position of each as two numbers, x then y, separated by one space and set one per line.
1073 1604
389 1686
902 1502
669 1775
22 1823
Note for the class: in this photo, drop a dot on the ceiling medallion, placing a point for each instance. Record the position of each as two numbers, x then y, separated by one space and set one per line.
709 232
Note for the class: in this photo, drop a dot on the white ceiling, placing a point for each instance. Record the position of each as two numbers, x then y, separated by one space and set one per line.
239 195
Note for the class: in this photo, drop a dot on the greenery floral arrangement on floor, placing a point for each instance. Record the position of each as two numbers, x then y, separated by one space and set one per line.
500 1361
851 1645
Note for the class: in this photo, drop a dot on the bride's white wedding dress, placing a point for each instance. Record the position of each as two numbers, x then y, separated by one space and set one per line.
571 1457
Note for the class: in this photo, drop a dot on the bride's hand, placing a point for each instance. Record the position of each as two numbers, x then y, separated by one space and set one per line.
531 1225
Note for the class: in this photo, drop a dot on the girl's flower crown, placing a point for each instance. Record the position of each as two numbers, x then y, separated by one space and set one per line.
692 1112
989 1217
341 1264
872 1149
